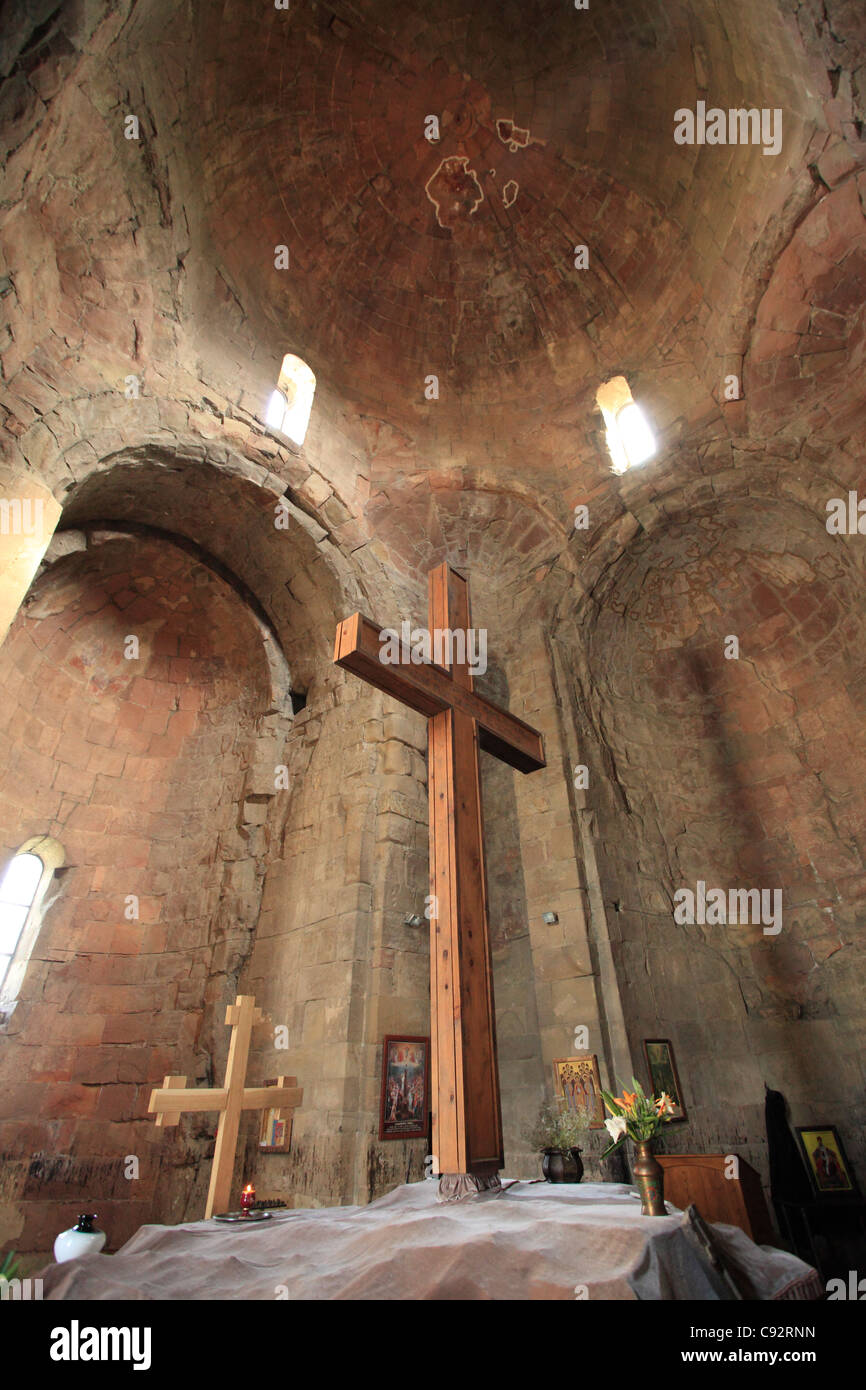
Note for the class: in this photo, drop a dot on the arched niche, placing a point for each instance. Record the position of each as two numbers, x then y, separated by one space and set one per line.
743 771
140 733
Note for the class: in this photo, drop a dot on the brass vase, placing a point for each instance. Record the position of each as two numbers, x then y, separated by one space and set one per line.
650 1179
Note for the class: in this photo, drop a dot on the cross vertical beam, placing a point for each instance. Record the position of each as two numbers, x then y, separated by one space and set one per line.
240 1016
467 1118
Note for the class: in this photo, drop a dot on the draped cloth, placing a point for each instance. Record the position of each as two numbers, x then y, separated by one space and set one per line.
531 1240
456 1187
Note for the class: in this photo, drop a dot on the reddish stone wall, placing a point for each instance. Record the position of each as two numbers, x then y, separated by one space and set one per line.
746 774
138 768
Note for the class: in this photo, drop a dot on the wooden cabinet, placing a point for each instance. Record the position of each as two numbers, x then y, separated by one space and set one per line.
700 1178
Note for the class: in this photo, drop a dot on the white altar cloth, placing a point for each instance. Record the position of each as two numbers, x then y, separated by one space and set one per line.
533 1241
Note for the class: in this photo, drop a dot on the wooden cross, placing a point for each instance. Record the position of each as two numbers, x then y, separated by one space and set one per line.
173 1100
467 1120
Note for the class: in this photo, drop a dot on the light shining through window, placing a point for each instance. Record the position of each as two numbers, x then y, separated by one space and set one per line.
630 439
290 405
17 891
635 436
275 411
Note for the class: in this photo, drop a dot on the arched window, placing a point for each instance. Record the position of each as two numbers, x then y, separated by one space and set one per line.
630 439
17 891
23 886
290 405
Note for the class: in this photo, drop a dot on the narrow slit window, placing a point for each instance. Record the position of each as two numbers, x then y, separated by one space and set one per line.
291 403
630 439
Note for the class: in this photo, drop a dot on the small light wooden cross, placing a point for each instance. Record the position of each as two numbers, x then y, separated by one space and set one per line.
175 1099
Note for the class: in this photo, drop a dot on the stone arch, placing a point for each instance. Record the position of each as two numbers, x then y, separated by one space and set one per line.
747 475
70 541
807 339
746 774
81 440
153 762
230 508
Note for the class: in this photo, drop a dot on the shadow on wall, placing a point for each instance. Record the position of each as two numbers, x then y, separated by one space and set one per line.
744 774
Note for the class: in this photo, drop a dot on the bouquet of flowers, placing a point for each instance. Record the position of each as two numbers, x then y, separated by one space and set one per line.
635 1116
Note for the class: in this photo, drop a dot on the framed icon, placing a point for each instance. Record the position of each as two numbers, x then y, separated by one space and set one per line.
827 1165
403 1111
663 1074
577 1082
275 1128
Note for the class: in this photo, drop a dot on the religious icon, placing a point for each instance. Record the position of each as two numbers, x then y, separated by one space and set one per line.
663 1074
404 1104
826 1161
275 1129
578 1083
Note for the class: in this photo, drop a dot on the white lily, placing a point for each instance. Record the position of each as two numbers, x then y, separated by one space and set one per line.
616 1127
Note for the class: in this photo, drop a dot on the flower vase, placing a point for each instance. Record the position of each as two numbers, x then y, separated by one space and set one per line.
650 1179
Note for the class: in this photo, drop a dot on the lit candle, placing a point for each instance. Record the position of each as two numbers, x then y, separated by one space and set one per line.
248 1196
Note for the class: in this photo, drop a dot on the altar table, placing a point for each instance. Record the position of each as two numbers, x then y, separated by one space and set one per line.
533 1241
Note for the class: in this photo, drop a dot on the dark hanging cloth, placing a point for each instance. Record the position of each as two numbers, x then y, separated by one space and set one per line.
789 1181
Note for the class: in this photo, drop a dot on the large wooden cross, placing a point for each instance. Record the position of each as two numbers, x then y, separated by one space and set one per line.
467 1121
173 1100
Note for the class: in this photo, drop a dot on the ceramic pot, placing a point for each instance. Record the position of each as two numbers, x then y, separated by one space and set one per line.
649 1178
559 1167
80 1240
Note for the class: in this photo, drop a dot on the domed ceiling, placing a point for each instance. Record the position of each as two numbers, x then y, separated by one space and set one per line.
458 257
455 257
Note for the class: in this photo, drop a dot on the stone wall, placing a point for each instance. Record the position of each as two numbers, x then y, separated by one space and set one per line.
139 768
333 959
744 773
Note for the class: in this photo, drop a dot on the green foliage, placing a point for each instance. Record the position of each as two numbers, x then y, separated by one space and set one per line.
10 1266
557 1127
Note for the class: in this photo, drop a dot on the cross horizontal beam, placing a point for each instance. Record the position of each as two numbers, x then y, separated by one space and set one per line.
272 1097
192 1100
430 689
